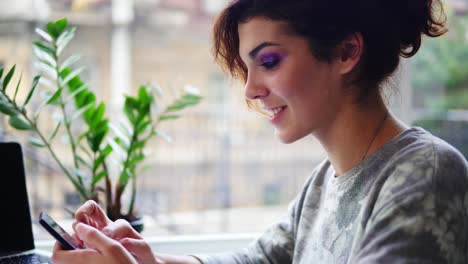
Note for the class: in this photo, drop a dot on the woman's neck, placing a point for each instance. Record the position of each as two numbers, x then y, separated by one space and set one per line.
356 132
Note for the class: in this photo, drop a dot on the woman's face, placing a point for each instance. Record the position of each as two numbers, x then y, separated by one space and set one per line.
299 93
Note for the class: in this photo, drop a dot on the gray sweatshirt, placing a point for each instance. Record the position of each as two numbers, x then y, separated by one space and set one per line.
406 203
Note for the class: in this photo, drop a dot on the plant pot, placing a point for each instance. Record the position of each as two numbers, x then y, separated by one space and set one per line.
138 225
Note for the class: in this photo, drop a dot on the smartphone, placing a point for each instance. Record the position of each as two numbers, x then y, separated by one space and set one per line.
66 240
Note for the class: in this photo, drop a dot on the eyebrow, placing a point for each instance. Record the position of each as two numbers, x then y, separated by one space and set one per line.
253 53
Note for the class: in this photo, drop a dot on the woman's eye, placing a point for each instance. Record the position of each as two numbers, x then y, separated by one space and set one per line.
269 61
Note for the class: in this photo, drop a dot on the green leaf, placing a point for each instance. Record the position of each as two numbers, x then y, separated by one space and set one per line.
19 123
98 114
163 135
33 88
124 139
48 84
44 35
185 101
126 128
17 87
96 140
124 177
47 69
70 61
101 127
80 112
61 24
142 127
64 39
135 160
106 151
117 148
102 156
56 28
1 73
54 132
72 75
98 177
37 142
7 108
143 95
138 145
55 98
8 77
44 57
52 30
45 48
168 117
75 93
129 106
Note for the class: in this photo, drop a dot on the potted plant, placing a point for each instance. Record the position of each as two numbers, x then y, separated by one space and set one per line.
67 96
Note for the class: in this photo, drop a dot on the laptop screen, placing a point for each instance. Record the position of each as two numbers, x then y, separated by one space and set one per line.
15 218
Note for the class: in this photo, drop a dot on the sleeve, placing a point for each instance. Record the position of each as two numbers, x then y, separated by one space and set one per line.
276 245
421 214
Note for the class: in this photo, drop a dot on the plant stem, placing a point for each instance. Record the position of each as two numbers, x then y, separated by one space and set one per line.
108 188
64 113
80 189
77 185
132 200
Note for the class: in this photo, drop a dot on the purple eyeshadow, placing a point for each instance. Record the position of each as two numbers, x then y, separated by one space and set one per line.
270 58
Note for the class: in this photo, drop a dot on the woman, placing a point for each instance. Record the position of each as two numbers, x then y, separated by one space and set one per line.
386 193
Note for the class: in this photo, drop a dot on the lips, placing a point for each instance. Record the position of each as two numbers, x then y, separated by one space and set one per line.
272 112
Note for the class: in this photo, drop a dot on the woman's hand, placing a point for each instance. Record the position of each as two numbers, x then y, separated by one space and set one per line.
131 240
90 213
100 249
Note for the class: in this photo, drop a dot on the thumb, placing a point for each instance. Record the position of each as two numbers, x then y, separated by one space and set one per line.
120 229
93 238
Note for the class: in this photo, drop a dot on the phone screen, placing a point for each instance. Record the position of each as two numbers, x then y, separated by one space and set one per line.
66 240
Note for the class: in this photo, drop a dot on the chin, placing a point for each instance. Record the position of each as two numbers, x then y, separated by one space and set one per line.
287 138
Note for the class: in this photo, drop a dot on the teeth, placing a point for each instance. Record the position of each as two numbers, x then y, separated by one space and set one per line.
274 111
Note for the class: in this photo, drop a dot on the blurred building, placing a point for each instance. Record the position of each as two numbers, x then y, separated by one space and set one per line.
222 156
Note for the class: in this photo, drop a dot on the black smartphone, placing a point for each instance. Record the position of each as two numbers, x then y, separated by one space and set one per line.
66 240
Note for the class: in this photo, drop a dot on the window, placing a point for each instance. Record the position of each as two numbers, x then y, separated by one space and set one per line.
225 165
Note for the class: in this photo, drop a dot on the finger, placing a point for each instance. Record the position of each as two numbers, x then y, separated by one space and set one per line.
90 213
137 247
78 240
94 238
57 247
120 229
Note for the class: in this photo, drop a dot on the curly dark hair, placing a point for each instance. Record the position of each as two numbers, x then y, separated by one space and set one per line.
390 29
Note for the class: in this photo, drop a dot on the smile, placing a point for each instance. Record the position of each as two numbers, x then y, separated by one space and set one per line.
274 111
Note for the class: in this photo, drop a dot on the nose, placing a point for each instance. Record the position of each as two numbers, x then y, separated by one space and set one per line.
254 89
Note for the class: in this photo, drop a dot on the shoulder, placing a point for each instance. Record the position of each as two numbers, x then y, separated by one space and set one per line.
425 161
422 195
423 170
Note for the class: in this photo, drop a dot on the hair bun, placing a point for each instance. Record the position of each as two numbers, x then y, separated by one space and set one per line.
419 17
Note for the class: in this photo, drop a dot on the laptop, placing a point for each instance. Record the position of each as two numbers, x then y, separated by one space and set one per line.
16 236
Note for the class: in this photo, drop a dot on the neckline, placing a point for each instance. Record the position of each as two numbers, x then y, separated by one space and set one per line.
376 155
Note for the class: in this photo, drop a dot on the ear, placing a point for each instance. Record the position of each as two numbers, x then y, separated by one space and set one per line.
350 52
